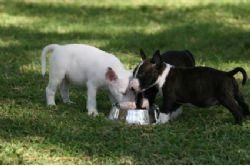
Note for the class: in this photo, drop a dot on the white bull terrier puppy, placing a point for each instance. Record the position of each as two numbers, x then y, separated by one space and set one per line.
83 64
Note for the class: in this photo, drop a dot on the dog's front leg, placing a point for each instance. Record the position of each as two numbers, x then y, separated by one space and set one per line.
150 94
167 108
164 116
91 103
51 91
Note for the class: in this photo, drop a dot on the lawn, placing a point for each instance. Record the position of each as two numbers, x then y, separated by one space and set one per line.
216 32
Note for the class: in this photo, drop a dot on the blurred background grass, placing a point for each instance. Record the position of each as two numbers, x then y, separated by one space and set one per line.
216 32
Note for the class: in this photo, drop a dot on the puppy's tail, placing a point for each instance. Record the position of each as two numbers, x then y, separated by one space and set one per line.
46 50
236 70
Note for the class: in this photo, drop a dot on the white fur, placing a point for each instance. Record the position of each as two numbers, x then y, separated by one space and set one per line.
132 104
162 78
145 103
127 105
176 113
163 118
134 83
83 64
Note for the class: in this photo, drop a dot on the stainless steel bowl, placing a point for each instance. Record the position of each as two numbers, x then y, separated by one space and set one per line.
138 116
134 116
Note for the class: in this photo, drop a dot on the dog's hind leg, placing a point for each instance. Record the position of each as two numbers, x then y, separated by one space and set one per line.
55 78
241 101
229 102
51 91
176 112
64 91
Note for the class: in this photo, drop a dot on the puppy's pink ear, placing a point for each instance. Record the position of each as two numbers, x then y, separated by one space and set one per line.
111 75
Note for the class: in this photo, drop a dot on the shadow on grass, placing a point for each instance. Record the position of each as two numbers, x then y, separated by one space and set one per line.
211 39
190 140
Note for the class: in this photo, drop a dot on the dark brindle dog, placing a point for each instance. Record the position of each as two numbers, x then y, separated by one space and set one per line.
176 58
200 86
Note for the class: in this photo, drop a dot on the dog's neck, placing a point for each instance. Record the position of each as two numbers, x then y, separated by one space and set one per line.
162 78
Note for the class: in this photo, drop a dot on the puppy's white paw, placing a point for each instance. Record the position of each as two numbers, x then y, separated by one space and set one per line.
93 113
68 101
176 113
163 118
145 103
50 104
127 105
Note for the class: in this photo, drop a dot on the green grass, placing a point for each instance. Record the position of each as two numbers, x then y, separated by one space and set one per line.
217 32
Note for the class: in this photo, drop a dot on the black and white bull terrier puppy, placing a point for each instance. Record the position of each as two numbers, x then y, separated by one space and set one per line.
199 86
182 58
83 64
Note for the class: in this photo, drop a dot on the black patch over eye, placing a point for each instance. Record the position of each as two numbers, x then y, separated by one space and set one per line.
141 73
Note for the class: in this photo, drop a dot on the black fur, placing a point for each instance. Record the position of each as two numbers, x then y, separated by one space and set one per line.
202 87
177 58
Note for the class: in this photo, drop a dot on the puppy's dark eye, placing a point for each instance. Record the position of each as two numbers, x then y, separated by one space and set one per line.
124 93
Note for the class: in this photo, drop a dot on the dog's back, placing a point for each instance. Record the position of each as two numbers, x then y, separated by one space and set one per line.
179 58
199 85
81 62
